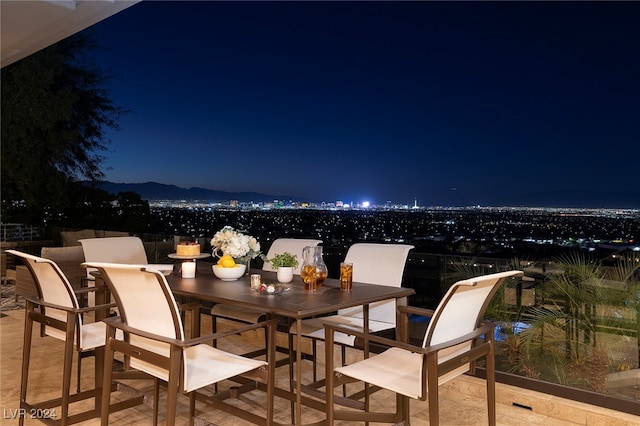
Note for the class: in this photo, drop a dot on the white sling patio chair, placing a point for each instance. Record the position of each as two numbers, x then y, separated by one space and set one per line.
455 338
381 264
58 311
155 344
127 250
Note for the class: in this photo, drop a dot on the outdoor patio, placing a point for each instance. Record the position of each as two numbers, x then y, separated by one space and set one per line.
462 400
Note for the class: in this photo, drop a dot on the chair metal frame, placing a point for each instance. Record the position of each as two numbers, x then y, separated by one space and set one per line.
60 316
373 272
441 357
168 356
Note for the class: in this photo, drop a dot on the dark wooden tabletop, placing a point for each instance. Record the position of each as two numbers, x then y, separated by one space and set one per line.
295 303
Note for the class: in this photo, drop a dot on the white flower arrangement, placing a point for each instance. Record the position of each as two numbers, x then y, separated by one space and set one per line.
229 241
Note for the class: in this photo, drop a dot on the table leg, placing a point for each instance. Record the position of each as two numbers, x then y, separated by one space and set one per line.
365 329
298 377
400 301
100 298
402 334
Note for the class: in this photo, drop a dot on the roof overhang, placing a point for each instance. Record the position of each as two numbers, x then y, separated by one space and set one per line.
29 26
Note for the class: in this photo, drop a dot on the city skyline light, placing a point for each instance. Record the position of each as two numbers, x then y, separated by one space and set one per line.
452 103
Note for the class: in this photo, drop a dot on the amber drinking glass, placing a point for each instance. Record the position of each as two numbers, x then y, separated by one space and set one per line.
346 276
309 277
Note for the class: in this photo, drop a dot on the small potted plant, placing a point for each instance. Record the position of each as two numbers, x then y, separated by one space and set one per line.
284 263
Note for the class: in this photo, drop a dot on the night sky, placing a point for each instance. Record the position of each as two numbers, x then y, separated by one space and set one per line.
452 103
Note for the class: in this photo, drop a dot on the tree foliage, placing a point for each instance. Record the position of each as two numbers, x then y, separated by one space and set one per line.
56 112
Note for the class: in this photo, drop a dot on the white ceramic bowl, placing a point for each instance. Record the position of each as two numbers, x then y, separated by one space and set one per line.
229 274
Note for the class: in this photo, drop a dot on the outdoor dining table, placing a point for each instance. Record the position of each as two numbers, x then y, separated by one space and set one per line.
295 304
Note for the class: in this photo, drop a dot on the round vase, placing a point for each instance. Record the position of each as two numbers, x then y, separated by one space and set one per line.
285 274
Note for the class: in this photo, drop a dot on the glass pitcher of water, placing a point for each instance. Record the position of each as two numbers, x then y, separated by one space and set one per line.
312 262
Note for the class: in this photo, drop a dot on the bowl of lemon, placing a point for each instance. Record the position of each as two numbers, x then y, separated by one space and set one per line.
227 269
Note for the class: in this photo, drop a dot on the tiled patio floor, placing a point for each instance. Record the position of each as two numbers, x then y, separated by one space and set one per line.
462 401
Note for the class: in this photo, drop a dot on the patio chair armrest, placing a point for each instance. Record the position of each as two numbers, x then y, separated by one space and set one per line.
218 335
416 311
101 307
95 308
329 329
483 330
115 322
403 319
486 328
86 290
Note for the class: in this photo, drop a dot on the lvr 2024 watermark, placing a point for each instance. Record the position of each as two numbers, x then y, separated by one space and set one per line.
30 413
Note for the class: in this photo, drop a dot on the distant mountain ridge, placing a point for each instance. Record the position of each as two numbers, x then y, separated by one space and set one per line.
160 191
569 199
